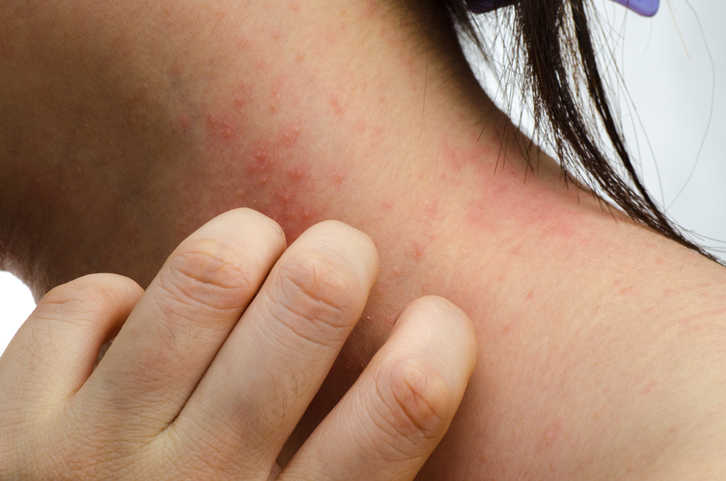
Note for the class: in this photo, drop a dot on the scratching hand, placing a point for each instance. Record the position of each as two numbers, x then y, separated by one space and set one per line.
213 366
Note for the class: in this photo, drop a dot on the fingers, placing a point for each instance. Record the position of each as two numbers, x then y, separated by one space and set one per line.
185 315
57 346
188 379
275 360
388 424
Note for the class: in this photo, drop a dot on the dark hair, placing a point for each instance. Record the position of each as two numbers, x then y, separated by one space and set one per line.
553 40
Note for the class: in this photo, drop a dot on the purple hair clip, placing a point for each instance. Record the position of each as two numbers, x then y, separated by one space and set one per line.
647 8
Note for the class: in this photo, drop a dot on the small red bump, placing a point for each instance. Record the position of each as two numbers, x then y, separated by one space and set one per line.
220 126
419 250
336 105
296 175
290 135
184 122
339 177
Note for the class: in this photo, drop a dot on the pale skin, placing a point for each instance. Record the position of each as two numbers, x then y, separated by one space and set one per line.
211 368
601 344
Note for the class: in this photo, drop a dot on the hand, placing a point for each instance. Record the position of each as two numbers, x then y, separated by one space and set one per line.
213 366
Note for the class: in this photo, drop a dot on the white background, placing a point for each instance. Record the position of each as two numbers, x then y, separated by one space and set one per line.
671 82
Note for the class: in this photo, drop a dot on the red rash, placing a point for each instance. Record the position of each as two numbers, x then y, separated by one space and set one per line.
279 171
290 135
276 92
278 177
522 207
418 250
221 126
336 106
510 197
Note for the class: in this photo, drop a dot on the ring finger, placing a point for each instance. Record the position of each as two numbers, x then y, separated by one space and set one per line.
176 329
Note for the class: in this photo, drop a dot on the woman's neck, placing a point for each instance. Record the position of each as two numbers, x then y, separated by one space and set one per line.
331 109
302 111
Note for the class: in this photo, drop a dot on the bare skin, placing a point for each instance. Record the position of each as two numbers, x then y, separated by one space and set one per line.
212 367
124 128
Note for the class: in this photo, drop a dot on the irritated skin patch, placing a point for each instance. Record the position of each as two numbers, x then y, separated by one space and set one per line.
282 183
278 176
506 189
221 126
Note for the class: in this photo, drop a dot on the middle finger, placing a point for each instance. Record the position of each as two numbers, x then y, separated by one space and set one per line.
276 358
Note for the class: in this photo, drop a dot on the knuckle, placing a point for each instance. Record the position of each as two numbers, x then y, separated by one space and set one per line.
208 274
316 288
416 400
77 298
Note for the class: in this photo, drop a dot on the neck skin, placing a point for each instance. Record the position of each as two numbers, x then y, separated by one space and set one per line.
345 110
